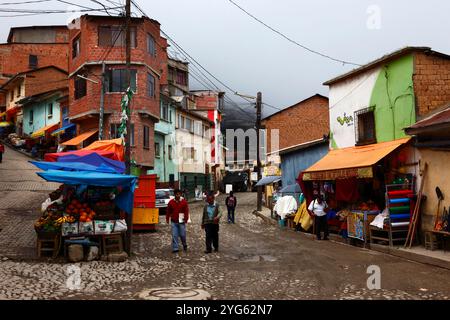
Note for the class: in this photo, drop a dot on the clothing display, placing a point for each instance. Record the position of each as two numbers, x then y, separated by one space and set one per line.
285 205
303 218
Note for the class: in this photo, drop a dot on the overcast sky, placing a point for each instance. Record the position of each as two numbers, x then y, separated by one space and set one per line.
248 57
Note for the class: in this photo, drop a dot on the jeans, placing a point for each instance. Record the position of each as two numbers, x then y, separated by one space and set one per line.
178 231
231 214
212 236
321 224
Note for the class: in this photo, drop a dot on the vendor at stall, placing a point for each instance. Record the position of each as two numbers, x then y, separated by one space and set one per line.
318 208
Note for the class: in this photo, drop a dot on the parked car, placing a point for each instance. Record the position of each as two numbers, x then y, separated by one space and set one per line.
163 196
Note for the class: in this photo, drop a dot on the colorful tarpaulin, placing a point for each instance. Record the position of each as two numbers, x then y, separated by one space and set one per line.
41 132
52 157
115 145
80 138
72 166
84 178
94 159
351 162
62 130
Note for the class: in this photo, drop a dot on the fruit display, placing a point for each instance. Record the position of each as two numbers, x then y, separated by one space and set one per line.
68 208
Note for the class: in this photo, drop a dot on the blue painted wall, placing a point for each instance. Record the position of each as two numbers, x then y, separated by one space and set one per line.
294 162
40 115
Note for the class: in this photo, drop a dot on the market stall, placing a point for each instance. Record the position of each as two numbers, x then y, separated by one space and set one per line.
353 182
87 216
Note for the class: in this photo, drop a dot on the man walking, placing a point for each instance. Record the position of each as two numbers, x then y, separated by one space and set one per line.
318 208
210 222
231 203
178 213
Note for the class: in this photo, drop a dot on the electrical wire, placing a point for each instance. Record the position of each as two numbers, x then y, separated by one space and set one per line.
23 2
291 40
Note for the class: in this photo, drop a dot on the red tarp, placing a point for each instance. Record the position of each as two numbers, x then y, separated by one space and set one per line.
53 157
114 145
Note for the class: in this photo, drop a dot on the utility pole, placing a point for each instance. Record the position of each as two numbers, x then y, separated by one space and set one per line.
102 104
127 136
258 151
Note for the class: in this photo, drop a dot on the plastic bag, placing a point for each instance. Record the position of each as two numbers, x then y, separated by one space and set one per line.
86 227
68 229
121 225
103 227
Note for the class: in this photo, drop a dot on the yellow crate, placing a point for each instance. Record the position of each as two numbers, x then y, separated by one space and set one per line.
145 216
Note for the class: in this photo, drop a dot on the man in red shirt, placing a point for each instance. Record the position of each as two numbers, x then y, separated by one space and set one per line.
178 213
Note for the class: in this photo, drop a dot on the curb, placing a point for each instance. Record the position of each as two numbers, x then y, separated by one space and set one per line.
411 256
266 219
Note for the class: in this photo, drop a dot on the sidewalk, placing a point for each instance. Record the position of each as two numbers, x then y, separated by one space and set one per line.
418 254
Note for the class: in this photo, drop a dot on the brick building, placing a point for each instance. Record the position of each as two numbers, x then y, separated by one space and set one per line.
297 137
32 47
304 121
29 84
101 39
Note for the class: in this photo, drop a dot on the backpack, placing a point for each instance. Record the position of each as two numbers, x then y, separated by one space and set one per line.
231 202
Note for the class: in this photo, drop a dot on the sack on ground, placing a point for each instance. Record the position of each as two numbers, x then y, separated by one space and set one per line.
121 225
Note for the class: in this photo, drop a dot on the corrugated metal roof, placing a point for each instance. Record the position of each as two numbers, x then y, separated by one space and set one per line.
438 118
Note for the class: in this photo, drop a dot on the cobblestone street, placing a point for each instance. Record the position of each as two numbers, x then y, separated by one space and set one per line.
256 260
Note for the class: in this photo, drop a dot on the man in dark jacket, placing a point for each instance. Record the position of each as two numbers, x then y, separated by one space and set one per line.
231 203
210 222
178 213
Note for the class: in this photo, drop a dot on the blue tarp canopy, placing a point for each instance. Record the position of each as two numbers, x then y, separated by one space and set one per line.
72 166
268 180
94 159
86 178
63 129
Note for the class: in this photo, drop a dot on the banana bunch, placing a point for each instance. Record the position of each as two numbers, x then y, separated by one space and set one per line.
62 220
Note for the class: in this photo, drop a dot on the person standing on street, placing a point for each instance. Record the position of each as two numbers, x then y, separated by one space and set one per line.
318 208
210 223
2 150
231 203
178 213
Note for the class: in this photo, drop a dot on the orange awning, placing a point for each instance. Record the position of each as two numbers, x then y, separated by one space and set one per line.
41 132
80 138
115 145
354 161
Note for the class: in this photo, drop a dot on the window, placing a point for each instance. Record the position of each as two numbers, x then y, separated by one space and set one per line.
150 85
181 121
19 91
114 132
165 111
189 125
198 128
117 80
33 61
11 95
205 132
181 78
109 36
365 126
31 116
151 48
157 150
170 150
65 113
76 47
146 137
189 153
80 88
50 110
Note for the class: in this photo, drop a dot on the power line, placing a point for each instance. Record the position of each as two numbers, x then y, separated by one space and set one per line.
23 2
291 40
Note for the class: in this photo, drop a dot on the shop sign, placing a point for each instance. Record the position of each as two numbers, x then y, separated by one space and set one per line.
272 171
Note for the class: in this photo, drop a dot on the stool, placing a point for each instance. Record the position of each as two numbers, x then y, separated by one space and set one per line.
112 243
431 241
51 245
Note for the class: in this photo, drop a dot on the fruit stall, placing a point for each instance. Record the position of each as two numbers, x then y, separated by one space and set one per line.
86 217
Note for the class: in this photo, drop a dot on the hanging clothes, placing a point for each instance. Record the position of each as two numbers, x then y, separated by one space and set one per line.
285 205
303 218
